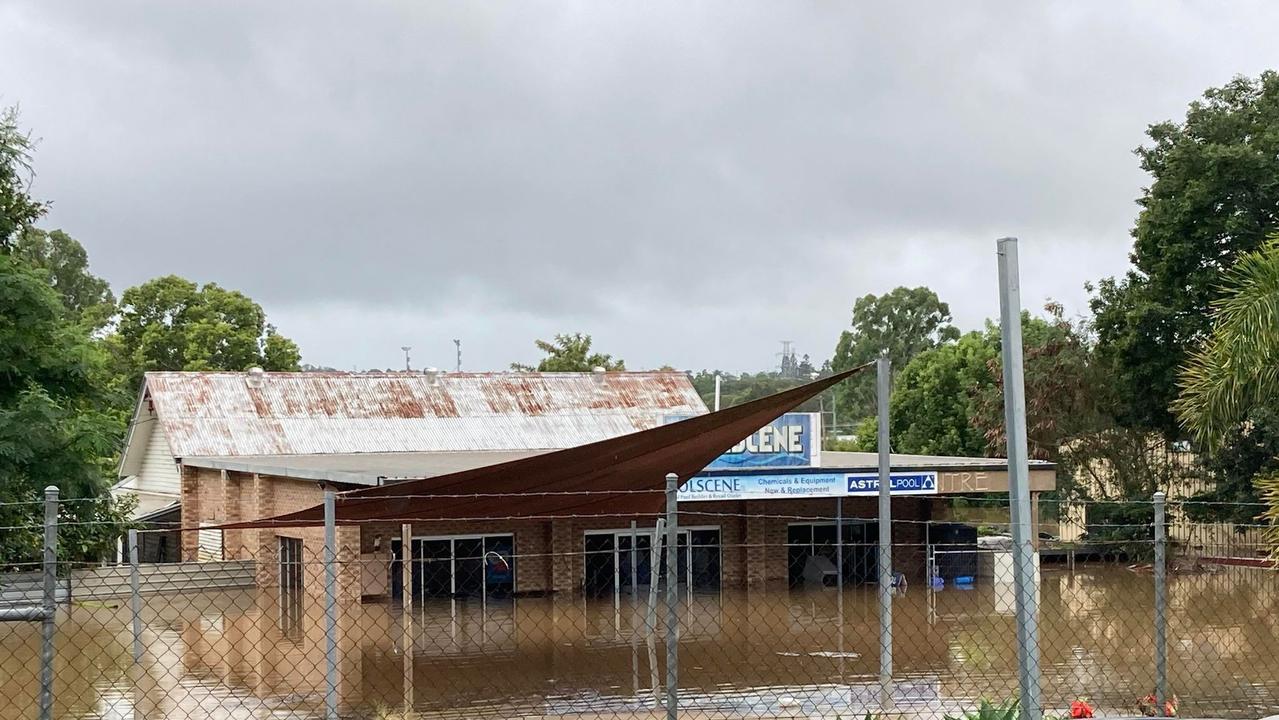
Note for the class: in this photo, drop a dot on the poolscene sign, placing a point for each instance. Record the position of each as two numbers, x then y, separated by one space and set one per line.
790 441
780 486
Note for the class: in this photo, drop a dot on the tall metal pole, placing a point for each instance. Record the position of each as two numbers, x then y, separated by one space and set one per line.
135 595
635 607
1019 480
650 616
1161 607
331 607
406 614
672 598
883 367
839 578
839 554
718 380
50 609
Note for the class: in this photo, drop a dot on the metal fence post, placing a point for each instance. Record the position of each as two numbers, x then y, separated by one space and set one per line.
1161 606
650 615
135 595
672 597
331 607
406 611
839 579
1019 480
635 609
50 604
883 366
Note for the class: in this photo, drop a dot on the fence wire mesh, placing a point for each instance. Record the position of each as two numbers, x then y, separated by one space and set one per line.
514 618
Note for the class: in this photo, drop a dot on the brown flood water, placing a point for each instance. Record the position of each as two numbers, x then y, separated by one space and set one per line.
242 655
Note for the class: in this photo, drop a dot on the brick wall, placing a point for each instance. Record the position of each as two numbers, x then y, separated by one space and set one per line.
549 555
212 497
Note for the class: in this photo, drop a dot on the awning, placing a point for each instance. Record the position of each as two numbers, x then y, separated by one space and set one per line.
621 476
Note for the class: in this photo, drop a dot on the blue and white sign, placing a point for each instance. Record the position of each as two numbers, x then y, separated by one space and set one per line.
762 487
900 483
778 486
791 441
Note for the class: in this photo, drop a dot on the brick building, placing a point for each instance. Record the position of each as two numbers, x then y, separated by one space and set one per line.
226 447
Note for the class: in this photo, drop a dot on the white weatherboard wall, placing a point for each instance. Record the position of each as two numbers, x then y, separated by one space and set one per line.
157 482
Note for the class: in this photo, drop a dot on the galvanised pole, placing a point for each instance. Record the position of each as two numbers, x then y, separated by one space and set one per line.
672 597
135 595
50 609
331 606
1019 480
883 367
1161 606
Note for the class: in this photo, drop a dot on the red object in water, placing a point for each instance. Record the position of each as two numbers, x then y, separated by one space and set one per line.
1149 706
1080 709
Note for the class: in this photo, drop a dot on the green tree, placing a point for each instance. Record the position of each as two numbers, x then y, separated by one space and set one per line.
17 208
56 426
1064 388
1246 454
949 399
905 322
1214 196
1237 368
1230 385
171 323
65 266
932 404
570 353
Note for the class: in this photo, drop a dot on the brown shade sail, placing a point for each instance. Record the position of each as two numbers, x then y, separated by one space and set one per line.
625 475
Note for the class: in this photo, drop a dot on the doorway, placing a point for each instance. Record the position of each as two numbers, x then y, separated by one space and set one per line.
617 561
456 566
818 540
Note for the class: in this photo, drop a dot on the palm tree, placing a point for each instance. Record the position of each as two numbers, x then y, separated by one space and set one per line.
1237 369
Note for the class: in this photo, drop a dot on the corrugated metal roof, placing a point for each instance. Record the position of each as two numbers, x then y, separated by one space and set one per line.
362 468
235 414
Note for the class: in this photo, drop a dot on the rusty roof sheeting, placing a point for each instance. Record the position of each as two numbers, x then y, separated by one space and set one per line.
233 414
609 478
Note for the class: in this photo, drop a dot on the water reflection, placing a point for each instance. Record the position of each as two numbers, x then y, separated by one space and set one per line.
253 653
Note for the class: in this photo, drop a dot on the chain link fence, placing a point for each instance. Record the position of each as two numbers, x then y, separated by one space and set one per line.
596 622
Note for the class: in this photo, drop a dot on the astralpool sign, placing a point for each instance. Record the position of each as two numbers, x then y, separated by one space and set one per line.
777 486
791 441
903 483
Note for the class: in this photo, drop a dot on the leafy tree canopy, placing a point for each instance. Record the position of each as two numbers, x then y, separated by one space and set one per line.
65 267
17 208
570 353
1214 196
1230 388
171 323
1237 368
56 425
905 322
1063 386
932 404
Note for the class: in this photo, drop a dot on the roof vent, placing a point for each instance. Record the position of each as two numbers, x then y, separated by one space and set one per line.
432 376
254 378
597 374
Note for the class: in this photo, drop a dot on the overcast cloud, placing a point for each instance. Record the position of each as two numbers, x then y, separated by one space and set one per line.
688 182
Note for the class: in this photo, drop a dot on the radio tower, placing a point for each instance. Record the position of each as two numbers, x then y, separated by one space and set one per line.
788 366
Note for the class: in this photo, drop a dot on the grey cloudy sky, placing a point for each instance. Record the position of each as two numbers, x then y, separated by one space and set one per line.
689 182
